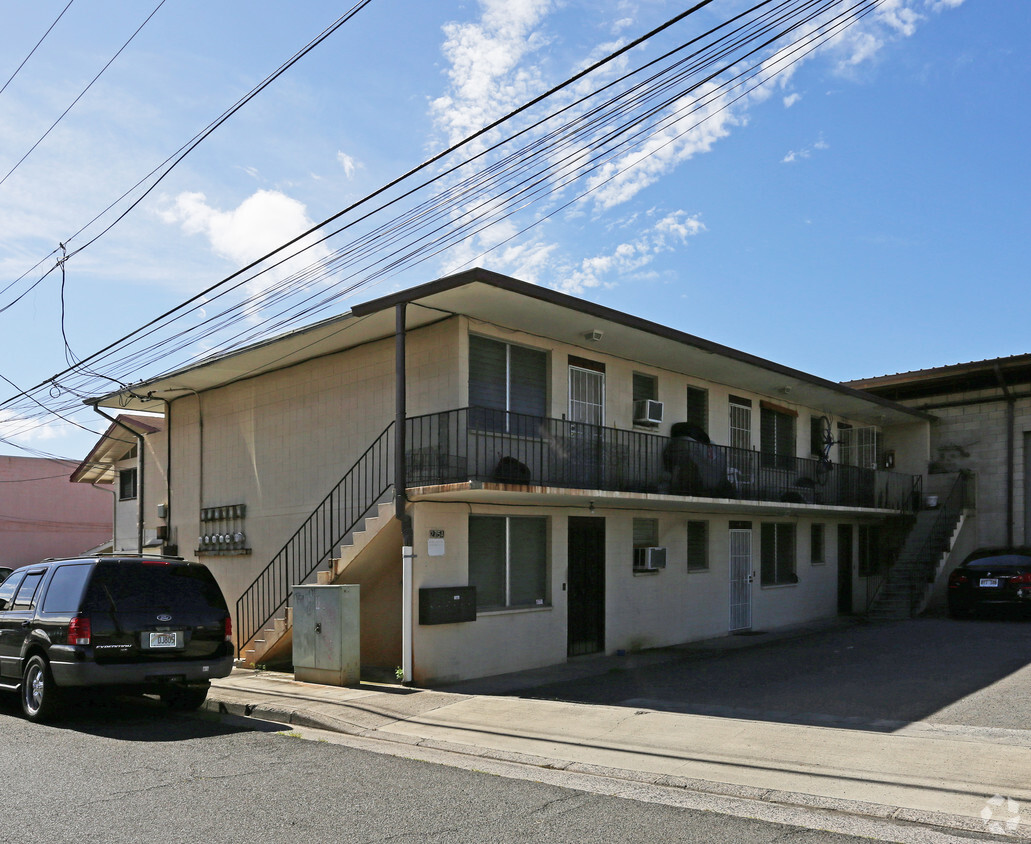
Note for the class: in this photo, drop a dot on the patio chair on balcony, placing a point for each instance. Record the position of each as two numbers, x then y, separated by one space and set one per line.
695 466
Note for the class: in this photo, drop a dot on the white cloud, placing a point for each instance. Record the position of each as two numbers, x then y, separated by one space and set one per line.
262 222
487 73
706 118
791 99
805 152
348 163
630 257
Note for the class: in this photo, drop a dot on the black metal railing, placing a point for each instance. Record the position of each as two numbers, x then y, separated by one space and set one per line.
909 577
314 542
499 446
938 539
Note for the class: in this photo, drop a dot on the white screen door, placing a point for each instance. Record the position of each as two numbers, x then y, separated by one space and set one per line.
740 579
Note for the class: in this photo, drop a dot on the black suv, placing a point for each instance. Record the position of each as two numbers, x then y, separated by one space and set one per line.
136 624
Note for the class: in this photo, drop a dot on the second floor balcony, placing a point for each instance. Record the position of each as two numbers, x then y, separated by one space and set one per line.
514 450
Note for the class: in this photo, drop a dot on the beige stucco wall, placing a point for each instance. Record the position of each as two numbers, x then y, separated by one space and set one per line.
642 610
279 442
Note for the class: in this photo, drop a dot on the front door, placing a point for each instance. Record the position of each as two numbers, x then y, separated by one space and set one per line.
741 577
845 569
586 583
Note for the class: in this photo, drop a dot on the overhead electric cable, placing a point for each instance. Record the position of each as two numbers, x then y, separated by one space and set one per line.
582 145
17 70
83 92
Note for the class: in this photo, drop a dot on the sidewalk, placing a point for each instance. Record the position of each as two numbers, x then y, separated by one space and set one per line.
922 773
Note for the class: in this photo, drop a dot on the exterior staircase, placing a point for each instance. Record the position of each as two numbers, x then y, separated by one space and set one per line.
345 522
907 586
274 645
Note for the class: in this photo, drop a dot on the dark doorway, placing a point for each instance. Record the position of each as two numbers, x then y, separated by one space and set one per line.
845 569
586 608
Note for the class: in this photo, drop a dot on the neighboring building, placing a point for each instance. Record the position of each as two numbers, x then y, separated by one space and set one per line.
118 462
539 468
42 515
982 429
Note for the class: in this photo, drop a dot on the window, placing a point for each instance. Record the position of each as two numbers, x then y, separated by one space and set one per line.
697 546
506 379
816 442
646 533
508 561
869 550
816 546
586 391
698 408
778 553
23 600
858 446
7 589
645 387
126 484
776 437
741 423
65 591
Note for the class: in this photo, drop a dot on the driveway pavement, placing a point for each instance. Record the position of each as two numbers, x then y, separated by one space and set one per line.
865 676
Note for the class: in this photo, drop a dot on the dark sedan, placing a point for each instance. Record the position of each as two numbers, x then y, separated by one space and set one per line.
991 577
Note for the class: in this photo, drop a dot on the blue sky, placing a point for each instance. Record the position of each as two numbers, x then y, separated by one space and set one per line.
863 212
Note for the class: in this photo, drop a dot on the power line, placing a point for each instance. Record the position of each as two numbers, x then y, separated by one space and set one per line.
17 70
582 144
83 92
169 164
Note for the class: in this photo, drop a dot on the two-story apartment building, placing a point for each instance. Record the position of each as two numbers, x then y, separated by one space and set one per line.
572 479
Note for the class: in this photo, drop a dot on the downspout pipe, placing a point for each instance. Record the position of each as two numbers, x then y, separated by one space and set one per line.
1010 452
400 498
140 487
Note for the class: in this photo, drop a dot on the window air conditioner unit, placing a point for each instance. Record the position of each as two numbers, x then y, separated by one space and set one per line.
647 412
649 559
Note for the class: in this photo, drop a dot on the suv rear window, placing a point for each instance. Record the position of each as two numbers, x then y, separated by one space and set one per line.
65 591
129 587
1001 561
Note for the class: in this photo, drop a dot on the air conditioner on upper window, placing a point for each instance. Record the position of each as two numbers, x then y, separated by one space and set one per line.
647 412
649 559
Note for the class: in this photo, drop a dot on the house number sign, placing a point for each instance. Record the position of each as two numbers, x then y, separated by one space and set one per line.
435 546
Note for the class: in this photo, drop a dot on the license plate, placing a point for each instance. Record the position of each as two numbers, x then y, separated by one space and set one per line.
989 582
164 640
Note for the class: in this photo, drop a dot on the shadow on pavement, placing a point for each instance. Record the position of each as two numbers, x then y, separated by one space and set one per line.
862 676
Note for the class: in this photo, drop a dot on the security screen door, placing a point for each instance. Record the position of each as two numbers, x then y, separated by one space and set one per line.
740 578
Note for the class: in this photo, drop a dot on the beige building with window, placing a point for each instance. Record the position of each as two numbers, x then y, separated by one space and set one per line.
573 480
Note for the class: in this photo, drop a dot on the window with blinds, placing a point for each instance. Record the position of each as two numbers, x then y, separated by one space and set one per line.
697 546
698 408
507 386
508 561
777 552
776 438
741 423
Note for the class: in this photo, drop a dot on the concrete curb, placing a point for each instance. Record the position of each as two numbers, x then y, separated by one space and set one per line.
306 716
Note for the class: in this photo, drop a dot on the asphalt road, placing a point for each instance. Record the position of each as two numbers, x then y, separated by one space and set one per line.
969 673
129 771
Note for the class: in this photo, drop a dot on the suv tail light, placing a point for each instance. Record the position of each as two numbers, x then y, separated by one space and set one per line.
229 628
1023 579
79 631
956 579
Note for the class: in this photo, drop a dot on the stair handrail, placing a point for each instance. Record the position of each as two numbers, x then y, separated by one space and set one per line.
937 538
947 515
367 481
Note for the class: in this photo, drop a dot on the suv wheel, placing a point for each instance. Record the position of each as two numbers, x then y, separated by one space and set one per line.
185 698
39 695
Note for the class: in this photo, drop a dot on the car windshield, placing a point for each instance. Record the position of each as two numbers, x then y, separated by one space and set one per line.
1016 561
132 586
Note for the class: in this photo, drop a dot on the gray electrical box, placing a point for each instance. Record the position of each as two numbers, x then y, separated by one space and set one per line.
327 628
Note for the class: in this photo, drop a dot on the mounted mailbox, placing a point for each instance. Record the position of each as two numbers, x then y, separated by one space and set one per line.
447 604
